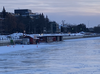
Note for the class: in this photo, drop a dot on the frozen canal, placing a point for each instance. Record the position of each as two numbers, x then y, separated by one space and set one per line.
77 56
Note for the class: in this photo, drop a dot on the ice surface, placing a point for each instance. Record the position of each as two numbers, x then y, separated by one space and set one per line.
76 56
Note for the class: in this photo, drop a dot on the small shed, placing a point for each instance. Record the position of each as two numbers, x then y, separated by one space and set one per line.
25 41
30 39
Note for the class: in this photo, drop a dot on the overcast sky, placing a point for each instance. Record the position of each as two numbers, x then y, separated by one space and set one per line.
72 11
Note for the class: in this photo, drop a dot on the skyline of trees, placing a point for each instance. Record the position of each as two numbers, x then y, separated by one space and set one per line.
39 24
13 23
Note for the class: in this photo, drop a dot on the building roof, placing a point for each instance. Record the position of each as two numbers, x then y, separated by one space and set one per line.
22 9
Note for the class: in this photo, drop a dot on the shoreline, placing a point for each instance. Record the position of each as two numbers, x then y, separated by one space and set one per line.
14 48
66 37
78 37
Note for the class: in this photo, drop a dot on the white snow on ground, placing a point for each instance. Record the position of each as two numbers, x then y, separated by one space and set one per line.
11 48
3 37
11 36
74 56
17 35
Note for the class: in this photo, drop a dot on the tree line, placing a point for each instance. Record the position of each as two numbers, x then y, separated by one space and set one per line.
79 28
73 28
12 24
37 25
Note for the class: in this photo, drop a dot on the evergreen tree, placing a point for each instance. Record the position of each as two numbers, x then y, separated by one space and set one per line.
4 13
10 24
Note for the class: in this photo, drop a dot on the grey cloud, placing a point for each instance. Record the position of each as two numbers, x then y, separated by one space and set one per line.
65 8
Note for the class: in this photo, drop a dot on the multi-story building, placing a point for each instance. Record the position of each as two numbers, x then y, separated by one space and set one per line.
25 12
54 27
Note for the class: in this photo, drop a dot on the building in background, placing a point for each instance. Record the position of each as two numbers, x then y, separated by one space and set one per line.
25 12
54 27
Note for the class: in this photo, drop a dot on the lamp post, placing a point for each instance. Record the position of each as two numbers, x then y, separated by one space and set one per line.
24 33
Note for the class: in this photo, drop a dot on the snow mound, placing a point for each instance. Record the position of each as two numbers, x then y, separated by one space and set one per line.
16 35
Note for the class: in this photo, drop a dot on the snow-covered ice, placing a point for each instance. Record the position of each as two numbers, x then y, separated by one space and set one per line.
12 48
76 56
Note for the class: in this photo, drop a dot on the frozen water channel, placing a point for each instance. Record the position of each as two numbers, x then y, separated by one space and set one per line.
77 56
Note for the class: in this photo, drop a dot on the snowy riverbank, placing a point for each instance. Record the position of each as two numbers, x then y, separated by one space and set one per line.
17 37
13 48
